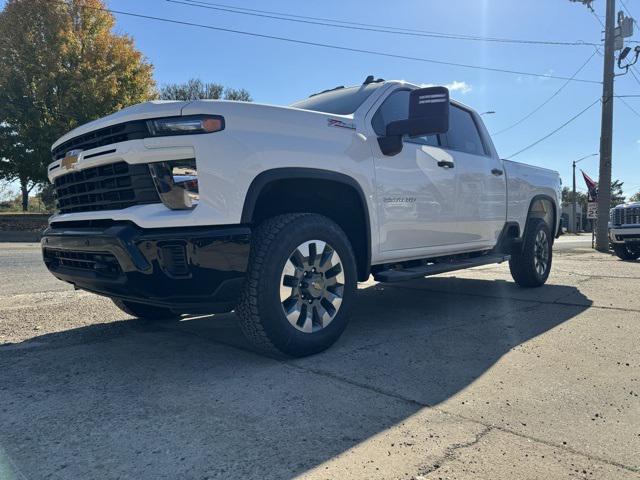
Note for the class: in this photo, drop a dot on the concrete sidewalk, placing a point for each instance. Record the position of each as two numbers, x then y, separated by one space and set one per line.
460 377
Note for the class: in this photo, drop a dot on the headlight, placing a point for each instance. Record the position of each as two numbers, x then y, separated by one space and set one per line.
176 183
187 125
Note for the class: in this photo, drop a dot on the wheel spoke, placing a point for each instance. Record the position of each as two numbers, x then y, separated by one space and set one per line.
297 258
327 258
306 320
289 280
324 316
312 253
333 271
292 309
333 299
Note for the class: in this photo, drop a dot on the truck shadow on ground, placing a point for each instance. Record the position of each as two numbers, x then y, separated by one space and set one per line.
189 400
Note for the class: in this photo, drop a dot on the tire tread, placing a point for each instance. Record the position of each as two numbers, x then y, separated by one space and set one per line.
248 310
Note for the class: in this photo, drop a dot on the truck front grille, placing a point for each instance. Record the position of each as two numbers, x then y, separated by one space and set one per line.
107 187
122 132
626 216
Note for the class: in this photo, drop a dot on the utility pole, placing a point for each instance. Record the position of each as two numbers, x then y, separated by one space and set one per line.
606 132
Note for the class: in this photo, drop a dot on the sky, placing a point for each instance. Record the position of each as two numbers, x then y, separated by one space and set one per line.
278 72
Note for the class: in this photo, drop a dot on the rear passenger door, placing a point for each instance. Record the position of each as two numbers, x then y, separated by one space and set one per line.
480 180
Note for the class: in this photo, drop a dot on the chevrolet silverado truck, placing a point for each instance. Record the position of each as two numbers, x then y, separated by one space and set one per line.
624 230
173 208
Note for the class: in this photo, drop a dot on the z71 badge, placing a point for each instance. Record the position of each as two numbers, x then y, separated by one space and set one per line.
334 122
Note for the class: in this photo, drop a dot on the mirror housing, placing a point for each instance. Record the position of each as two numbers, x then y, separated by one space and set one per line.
428 115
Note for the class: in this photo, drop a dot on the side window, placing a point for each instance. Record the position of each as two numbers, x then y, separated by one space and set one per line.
396 107
463 133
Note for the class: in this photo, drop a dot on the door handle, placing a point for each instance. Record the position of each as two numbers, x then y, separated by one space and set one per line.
497 172
446 164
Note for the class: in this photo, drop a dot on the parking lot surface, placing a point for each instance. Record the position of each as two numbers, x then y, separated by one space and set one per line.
459 376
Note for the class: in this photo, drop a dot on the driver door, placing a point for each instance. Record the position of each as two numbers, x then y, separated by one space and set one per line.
415 189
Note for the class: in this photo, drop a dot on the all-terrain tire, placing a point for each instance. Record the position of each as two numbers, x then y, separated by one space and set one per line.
143 311
625 253
261 313
527 265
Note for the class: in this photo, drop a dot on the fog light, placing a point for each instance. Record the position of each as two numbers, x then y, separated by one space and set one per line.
177 183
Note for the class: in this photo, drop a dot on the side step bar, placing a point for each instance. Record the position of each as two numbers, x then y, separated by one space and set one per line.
411 273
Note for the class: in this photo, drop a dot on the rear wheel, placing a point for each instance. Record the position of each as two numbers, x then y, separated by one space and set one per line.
625 253
141 310
300 283
530 267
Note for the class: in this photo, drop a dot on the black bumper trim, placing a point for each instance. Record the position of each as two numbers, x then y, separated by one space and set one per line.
196 269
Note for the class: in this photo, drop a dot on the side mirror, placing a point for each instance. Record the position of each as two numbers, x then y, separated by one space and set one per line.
428 115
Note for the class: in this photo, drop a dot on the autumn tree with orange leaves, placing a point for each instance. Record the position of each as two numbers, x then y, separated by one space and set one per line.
61 65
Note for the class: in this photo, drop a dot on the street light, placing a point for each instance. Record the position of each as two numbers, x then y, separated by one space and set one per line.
490 112
573 203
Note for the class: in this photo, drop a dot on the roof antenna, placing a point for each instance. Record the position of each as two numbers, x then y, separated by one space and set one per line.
371 79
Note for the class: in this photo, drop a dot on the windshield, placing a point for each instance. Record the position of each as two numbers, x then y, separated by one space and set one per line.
343 101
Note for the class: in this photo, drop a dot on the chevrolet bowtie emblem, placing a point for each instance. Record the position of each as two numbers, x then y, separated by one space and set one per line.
70 159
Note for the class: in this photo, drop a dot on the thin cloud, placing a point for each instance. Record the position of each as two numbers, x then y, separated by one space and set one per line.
455 86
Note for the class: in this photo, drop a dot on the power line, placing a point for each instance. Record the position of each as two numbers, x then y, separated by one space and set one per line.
553 132
339 47
597 17
328 22
555 94
632 70
629 106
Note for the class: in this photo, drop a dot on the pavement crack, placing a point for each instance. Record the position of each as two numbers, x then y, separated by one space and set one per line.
450 452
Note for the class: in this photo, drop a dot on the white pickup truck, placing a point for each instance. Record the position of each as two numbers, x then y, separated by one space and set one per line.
624 230
172 208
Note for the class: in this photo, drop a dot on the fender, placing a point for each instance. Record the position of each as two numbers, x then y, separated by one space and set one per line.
288 173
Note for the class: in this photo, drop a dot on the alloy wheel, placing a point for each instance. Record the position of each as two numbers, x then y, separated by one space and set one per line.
541 253
312 286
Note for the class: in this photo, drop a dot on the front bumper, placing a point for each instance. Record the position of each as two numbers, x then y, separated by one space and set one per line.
190 270
624 234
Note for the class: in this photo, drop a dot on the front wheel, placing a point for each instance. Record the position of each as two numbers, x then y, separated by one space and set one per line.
625 253
530 267
300 283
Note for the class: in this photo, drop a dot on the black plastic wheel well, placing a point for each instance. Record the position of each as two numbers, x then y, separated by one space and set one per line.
328 194
543 206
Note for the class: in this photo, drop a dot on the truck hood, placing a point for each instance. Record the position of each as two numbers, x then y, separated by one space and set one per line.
627 205
253 115
141 111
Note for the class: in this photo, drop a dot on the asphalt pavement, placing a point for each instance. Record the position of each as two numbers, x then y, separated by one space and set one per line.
458 376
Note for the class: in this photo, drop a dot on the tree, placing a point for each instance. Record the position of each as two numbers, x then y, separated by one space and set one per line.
61 66
196 89
635 197
567 197
617 197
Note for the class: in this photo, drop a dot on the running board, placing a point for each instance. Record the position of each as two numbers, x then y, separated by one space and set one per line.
411 273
